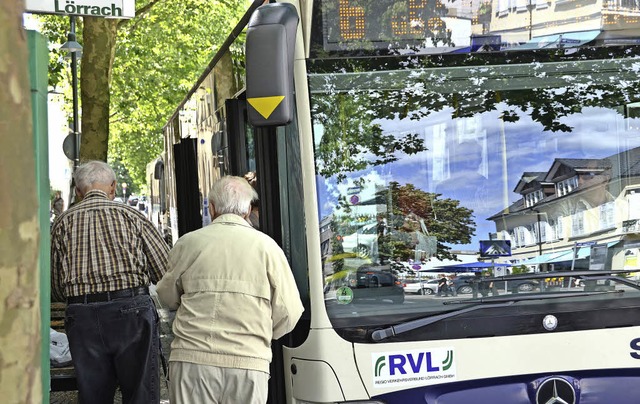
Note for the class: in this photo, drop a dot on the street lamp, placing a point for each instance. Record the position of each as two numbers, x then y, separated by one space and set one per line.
531 4
74 49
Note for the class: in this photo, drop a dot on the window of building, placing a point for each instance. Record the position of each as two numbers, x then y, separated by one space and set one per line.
566 186
543 231
522 235
577 224
533 198
607 215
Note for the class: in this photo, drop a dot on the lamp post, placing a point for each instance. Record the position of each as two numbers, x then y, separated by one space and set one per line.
530 6
542 267
74 49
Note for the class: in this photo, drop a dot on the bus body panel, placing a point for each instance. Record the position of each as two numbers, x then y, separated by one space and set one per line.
496 357
323 360
620 386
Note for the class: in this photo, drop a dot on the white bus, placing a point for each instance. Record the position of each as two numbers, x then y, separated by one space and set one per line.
434 125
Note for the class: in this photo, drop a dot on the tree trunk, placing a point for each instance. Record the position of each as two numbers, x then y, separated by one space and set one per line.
99 47
19 232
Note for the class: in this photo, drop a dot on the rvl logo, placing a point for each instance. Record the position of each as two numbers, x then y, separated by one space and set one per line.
413 363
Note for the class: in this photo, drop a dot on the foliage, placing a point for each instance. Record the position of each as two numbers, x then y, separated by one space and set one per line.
159 57
123 177
336 247
55 28
444 219
350 141
519 269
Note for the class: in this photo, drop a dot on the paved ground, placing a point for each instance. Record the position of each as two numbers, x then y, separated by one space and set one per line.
166 336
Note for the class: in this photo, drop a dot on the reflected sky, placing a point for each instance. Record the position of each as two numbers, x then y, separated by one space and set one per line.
508 149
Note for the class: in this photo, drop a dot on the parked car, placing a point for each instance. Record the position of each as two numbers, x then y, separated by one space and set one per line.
132 200
376 283
422 287
463 284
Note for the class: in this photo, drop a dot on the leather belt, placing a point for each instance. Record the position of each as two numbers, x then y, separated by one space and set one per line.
108 296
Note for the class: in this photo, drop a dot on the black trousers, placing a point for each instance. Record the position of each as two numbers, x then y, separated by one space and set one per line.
114 344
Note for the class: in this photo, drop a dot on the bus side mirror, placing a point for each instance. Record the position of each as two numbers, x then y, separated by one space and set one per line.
270 44
158 170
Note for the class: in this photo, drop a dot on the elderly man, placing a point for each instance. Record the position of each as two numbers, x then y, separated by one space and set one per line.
104 254
234 292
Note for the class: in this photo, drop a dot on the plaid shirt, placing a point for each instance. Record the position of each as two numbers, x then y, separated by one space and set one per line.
99 245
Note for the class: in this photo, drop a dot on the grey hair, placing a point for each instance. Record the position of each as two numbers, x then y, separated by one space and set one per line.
233 195
93 172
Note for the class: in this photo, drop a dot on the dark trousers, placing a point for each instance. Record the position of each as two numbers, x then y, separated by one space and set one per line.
115 343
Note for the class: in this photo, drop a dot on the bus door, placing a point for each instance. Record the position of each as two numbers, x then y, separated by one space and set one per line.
187 194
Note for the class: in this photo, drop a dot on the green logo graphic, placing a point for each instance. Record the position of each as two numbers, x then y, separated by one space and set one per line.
380 363
448 361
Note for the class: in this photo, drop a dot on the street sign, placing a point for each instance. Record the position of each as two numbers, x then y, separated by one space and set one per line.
598 257
94 8
354 199
495 248
68 146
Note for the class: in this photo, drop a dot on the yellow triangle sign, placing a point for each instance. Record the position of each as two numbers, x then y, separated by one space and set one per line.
265 105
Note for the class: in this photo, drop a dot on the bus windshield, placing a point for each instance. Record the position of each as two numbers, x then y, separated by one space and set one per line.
474 178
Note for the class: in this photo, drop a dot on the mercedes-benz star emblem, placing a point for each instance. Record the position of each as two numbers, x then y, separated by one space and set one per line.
556 391
550 322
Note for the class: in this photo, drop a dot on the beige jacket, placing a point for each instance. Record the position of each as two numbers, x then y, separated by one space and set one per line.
234 292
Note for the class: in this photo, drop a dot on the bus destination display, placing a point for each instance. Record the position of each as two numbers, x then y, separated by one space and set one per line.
376 24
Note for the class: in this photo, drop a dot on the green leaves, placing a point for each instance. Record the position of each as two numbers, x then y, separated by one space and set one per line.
159 57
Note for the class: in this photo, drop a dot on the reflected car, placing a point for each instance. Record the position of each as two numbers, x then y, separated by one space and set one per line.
364 241
376 283
464 285
424 287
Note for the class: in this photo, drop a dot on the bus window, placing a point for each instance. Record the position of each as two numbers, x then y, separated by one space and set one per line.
416 166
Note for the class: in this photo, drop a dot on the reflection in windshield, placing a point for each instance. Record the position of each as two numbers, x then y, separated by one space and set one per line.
416 167
435 27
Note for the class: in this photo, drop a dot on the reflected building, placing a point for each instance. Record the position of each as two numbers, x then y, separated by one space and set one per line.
574 208
538 24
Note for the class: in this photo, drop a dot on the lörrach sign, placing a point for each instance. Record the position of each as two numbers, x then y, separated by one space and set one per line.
95 8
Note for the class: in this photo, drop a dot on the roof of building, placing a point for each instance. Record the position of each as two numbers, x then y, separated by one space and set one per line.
596 171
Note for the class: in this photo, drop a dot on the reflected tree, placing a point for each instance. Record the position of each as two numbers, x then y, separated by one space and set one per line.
351 141
414 211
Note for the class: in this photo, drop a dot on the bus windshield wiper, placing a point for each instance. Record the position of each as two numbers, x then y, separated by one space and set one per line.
481 304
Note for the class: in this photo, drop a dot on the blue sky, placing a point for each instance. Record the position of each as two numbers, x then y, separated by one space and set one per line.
597 133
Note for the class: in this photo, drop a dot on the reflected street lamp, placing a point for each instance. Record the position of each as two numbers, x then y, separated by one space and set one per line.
531 4
75 50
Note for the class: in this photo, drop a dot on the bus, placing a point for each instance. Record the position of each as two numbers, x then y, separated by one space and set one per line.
392 134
